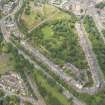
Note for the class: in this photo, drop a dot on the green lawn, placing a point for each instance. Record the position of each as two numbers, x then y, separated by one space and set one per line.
37 14
5 64
48 32
30 20
49 10
61 15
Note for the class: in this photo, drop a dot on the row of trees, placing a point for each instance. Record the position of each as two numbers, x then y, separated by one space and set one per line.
47 93
27 8
97 42
99 49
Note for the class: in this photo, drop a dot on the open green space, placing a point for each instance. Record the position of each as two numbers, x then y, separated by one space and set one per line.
56 37
5 63
34 14
58 40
